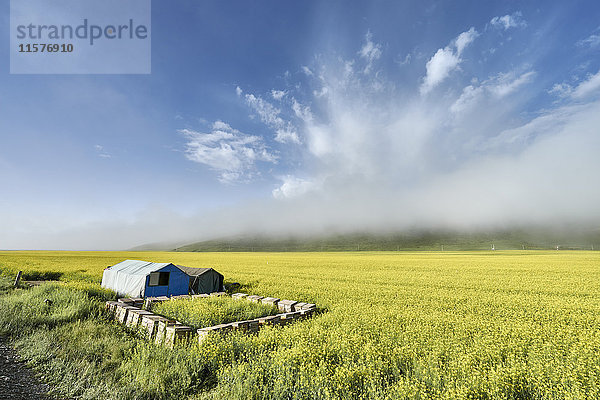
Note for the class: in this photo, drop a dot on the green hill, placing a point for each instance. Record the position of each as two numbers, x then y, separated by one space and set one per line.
418 240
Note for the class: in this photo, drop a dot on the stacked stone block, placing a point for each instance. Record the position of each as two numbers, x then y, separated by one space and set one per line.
168 332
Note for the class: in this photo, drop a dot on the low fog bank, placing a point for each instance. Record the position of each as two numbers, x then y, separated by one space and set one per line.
530 238
455 209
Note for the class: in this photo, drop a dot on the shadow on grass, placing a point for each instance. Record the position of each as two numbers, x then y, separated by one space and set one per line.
41 276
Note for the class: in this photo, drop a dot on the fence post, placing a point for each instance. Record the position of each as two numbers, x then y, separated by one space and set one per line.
18 278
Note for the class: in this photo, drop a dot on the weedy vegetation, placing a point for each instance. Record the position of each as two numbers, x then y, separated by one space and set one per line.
200 313
431 325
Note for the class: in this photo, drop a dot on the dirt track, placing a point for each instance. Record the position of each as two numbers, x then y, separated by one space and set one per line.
16 380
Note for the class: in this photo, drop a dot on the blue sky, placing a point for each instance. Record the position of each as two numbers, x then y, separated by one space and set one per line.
285 116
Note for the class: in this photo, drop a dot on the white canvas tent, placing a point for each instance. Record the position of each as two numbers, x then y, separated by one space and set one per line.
142 278
133 278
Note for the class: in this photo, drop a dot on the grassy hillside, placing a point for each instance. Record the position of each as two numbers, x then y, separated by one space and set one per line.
421 241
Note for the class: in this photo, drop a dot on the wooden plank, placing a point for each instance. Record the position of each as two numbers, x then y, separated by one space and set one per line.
18 278
177 334
111 306
133 319
149 325
122 311
161 330
269 320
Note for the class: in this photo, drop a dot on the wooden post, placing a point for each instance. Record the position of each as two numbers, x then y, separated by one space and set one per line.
18 278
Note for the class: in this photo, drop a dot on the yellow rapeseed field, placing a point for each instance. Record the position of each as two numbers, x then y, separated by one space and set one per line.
445 325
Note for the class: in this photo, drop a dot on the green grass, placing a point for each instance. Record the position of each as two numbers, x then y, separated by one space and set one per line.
430 325
44 307
6 284
203 312
82 359
84 355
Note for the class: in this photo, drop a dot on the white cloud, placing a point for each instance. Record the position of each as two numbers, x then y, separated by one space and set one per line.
590 41
474 151
392 150
101 152
406 60
446 60
464 39
307 70
370 52
509 21
268 113
321 140
495 87
587 87
220 126
302 112
227 151
546 180
470 95
285 132
561 89
522 136
467 159
278 94
584 89
505 84
293 187
321 92
238 91
439 67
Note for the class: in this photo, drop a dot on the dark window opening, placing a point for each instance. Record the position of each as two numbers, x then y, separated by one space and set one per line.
163 280
159 279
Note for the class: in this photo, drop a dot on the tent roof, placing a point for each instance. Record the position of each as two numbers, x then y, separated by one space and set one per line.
137 267
195 271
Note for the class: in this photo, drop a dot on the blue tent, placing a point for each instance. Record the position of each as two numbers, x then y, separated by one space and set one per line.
141 279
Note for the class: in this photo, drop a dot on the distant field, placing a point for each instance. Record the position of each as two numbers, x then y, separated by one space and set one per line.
517 324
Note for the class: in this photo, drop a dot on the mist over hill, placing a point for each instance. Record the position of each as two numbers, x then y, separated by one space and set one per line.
415 240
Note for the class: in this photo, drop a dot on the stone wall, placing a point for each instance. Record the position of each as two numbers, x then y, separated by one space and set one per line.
164 331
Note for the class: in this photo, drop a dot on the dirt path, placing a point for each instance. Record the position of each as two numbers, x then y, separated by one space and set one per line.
16 380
